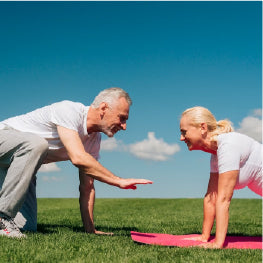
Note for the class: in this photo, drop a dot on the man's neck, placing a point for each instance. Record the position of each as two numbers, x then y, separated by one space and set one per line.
92 120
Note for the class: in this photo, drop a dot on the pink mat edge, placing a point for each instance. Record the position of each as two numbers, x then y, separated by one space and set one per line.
254 242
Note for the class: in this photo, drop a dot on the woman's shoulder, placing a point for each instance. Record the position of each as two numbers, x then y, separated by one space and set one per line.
238 139
234 136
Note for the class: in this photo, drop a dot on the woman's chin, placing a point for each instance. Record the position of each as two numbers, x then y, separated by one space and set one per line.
189 147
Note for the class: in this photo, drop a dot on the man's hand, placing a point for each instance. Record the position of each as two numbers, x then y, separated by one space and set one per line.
103 233
131 183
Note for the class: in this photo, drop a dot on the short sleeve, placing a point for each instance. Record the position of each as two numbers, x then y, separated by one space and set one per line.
228 156
65 114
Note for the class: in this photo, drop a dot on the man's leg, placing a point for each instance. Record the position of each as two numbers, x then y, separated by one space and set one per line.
21 154
26 218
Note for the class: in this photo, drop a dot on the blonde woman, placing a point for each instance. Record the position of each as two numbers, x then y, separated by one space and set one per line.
236 162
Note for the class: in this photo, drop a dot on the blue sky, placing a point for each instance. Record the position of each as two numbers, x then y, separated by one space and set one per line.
169 56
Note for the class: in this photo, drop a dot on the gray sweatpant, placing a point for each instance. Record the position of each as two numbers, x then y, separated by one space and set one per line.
21 155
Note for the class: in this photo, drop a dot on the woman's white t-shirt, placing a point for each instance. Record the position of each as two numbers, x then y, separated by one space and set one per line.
239 152
44 122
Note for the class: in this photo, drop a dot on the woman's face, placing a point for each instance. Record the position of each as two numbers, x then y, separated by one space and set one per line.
191 134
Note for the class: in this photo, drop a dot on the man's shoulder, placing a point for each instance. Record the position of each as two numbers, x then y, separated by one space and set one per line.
68 106
69 103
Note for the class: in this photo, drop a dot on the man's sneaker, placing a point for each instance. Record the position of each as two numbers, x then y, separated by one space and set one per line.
9 228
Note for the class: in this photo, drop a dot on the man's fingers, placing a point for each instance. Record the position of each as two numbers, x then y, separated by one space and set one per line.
131 187
103 233
143 181
139 181
131 183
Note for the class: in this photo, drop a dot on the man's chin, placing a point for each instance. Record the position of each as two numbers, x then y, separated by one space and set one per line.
109 134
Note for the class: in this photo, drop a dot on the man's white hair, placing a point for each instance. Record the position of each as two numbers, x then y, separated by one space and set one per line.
110 96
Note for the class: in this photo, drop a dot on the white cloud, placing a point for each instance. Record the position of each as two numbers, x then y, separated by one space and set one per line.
257 112
252 125
153 149
109 144
49 167
51 179
148 149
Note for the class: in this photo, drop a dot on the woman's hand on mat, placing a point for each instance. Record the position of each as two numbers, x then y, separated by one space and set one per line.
103 233
197 238
131 183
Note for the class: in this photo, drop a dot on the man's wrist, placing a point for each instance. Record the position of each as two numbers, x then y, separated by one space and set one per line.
90 230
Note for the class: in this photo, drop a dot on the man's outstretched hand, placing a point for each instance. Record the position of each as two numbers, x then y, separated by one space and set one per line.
131 183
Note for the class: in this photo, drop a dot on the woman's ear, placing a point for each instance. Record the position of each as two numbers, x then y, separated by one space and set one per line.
204 129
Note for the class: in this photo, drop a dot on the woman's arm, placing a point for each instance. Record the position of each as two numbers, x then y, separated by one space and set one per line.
210 206
226 185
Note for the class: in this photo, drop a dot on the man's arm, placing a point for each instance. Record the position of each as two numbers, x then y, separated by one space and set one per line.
86 203
89 165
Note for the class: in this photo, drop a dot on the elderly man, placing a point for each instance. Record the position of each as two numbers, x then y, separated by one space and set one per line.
61 131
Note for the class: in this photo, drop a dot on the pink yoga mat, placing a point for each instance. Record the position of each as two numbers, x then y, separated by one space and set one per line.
240 242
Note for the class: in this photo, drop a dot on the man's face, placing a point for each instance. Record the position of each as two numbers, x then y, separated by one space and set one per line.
115 118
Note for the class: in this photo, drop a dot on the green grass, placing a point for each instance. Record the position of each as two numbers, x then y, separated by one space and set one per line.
60 236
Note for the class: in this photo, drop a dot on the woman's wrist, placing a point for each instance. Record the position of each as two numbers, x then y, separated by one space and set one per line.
205 237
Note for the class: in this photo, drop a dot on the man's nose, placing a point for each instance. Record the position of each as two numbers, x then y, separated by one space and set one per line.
123 126
182 138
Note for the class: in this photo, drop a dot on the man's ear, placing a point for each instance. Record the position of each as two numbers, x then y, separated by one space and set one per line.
103 108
